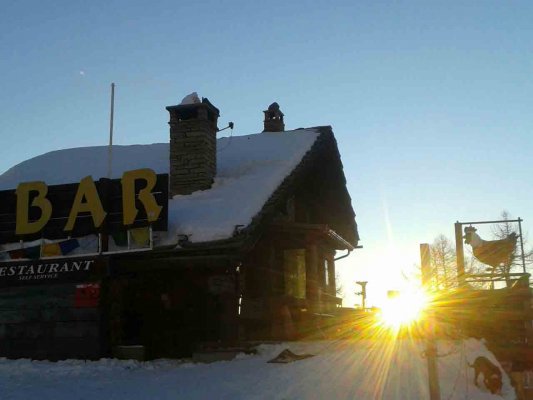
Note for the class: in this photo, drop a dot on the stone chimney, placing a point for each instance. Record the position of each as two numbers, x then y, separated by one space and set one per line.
193 145
274 119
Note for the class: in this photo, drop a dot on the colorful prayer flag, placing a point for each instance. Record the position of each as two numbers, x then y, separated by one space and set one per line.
51 250
141 236
68 246
33 252
120 238
16 254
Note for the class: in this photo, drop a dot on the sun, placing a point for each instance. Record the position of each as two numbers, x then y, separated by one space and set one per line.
403 309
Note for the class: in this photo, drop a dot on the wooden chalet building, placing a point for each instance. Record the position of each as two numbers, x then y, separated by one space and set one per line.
243 249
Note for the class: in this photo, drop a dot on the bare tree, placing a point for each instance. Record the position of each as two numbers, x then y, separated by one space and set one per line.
444 264
502 231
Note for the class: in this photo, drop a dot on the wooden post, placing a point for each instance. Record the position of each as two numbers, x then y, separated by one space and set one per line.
331 274
425 264
522 244
311 262
460 254
431 345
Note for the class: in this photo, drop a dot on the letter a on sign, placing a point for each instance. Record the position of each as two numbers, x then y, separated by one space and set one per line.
145 195
23 224
86 200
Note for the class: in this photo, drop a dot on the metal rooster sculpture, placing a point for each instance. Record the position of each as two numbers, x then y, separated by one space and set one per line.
496 253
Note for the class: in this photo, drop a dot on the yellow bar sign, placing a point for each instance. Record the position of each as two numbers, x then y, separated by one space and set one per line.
140 191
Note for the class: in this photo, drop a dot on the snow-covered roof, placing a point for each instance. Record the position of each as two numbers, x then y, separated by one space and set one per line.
249 169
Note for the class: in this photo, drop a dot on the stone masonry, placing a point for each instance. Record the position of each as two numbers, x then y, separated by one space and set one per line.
193 147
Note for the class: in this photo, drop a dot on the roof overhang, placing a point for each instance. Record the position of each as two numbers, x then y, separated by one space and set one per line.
317 232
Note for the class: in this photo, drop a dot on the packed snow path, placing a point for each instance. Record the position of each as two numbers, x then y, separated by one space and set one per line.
340 370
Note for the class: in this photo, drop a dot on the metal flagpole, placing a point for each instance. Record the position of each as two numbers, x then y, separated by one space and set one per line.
103 238
110 149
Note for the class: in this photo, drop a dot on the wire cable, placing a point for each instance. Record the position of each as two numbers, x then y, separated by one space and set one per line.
229 142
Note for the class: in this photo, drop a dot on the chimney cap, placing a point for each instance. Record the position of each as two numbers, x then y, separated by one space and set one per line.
273 110
186 109
273 119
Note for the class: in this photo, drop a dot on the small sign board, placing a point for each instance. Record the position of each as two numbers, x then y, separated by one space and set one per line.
87 295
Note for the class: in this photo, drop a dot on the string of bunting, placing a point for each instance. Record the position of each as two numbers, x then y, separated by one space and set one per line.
140 236
48 250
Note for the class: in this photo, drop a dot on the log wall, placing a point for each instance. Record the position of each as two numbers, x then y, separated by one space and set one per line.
49 322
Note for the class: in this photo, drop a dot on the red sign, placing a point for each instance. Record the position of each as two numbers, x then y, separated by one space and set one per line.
87 295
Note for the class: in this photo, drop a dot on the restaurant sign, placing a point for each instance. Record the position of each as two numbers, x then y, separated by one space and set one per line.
35 210
50 271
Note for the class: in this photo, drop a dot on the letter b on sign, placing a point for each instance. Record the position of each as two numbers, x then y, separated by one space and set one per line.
23 224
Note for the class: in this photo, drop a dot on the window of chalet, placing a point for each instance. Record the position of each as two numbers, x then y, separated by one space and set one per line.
294 272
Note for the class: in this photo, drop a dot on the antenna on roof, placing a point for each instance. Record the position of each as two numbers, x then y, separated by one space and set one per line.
230 126
110 149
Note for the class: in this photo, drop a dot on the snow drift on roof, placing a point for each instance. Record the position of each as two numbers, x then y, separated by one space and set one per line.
191 99
249 169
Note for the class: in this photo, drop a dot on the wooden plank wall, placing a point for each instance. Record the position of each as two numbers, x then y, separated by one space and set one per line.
43 322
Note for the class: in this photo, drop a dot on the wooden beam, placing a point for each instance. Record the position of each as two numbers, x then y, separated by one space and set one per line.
317 231
311 260
460 253
331 272
425 264
431 345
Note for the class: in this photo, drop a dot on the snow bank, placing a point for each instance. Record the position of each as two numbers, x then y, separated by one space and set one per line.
249 169
339 370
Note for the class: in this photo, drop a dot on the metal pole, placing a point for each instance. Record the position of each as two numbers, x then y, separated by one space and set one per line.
363 292
110 151
522 244
431 345
487 222
103 239
459 253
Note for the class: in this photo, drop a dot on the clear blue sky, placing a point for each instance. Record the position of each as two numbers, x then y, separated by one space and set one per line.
431 102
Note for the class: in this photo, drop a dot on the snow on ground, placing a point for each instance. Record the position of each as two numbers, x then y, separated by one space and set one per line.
249 169
340 370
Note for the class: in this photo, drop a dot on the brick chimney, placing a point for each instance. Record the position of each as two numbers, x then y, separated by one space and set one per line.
274 119
193 145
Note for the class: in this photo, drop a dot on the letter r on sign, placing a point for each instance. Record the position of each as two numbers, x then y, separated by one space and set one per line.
145 195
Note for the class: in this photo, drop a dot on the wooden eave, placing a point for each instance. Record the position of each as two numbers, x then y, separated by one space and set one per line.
325 144
313 232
